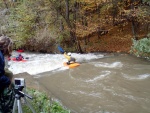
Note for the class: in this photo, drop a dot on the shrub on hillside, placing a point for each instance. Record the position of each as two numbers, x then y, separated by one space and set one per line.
141 48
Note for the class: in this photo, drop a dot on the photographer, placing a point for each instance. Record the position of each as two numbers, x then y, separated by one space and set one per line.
6 87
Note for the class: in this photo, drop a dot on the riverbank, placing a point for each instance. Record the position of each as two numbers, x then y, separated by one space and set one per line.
40 95
31 82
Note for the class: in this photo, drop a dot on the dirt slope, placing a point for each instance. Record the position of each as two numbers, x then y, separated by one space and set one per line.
115 41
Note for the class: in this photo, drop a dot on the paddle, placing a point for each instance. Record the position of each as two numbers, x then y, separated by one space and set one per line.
61 49
27 58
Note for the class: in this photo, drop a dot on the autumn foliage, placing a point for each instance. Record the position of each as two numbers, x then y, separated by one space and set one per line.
77 25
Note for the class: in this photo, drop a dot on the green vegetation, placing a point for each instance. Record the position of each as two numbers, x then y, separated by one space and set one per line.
24 27
41 25
141 48
43 104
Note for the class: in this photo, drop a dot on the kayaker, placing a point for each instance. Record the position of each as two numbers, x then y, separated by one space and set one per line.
69 58
19 57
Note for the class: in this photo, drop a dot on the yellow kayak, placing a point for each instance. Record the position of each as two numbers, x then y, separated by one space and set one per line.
71 65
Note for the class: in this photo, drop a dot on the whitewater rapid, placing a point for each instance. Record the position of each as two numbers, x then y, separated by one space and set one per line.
38 63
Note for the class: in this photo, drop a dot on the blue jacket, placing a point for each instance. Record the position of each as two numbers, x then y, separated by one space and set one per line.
4 80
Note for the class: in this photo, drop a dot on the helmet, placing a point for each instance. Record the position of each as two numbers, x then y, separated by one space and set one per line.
6 45
69 54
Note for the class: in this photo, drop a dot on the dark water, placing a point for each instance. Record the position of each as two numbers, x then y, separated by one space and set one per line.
115 84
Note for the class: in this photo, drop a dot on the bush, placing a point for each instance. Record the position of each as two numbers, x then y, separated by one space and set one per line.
141 48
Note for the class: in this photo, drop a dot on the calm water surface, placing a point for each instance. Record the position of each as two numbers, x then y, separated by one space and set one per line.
113 84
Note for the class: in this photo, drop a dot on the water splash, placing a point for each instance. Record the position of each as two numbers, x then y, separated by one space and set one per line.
136 77
101 76
108 65
39 63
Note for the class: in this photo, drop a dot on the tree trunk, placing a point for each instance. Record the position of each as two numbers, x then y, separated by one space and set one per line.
133 29
5 4
133 22
114 11
61 26
147 28
67 9
74 26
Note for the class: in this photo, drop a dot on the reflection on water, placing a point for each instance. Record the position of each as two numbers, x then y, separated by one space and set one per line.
117 84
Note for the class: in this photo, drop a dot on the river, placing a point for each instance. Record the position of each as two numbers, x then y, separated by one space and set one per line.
103 83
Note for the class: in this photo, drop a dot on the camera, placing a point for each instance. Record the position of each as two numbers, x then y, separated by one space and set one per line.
19 82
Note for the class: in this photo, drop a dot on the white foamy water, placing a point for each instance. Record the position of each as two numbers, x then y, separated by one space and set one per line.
109 65
105 73
39 63
137 77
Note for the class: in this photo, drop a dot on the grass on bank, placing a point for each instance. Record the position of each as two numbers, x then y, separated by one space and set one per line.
41 103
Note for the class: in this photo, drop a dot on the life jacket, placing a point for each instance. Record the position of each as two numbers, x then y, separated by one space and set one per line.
69 57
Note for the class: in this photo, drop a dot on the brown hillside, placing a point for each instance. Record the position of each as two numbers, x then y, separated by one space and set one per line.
115 41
